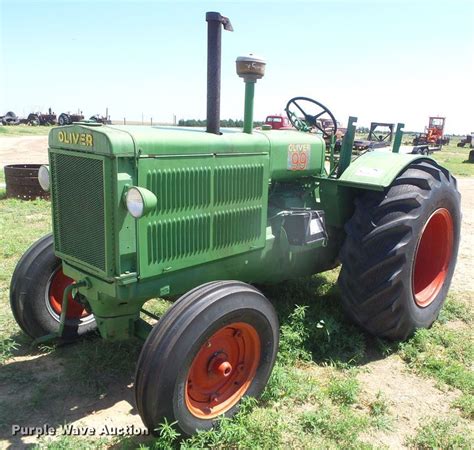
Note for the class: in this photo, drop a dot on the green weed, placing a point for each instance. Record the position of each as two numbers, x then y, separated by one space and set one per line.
340 427
70 442
378 408
343 390
455 310
293 336
445 354
465 403
318 327
289 384
7 347
442 433
167 435
252 427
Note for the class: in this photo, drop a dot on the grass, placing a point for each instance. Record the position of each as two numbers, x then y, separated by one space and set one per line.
66 442
21 223
343 390
446 354
379 412
465 403
442 433
443 353
313 398
24 130
454 159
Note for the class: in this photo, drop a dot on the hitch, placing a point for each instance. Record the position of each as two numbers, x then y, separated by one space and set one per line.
62 319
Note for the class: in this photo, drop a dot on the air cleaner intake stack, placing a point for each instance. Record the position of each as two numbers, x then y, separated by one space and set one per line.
214 37
251 69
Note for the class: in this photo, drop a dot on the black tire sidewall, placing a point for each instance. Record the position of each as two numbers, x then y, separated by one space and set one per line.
190 423
378 256
440 198
171 361
29 297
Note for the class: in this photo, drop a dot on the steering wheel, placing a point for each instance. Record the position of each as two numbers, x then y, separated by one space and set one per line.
307 122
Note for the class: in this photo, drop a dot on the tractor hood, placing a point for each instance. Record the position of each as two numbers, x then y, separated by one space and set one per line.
144 141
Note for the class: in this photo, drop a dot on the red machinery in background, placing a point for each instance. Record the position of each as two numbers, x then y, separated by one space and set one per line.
434 133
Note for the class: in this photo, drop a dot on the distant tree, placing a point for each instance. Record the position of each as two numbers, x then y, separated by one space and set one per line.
225 123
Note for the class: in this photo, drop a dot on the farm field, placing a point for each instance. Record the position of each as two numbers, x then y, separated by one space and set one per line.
24 130
333 386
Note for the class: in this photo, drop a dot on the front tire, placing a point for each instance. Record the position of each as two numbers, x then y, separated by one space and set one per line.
216 344
36 292
400 252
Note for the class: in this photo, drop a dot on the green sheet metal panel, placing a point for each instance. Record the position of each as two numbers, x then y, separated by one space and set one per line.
295 155
92 138
375 170
209 207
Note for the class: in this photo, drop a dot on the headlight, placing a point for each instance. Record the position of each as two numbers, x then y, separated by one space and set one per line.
140 201
43 177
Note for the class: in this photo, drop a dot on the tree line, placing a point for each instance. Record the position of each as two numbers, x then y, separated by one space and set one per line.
225 123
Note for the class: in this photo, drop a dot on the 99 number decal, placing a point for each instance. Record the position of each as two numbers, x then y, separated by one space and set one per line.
298 156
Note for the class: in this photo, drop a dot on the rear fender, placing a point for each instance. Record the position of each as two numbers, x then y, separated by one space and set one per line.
376 170
373 171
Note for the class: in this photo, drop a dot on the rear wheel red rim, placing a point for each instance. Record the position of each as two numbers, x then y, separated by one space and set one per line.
222 370
432 257
57 284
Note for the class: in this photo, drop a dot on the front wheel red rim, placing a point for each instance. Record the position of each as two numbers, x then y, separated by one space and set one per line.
222 370
433 256
54 298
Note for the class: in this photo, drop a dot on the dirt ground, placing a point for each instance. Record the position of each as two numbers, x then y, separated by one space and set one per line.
23 150
411 398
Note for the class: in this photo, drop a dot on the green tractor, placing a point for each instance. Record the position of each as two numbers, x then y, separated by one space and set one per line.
146 212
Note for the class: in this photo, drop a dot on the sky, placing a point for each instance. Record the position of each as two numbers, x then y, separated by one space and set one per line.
385 61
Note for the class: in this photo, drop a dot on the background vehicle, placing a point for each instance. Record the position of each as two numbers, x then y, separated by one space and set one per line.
434 133
41 119
100 119
10 118
140 213
380 136
68 118
278 122
466 141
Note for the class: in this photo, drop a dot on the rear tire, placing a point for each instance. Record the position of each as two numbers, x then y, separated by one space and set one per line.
400 252
63 119
36 292
216 344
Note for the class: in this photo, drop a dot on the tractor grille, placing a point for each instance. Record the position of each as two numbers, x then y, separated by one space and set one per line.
207 209
237 226
179 189
178 238
238 183
78 208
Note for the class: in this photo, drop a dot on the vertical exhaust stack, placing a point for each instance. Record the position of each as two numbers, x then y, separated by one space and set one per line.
214 36
251 69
